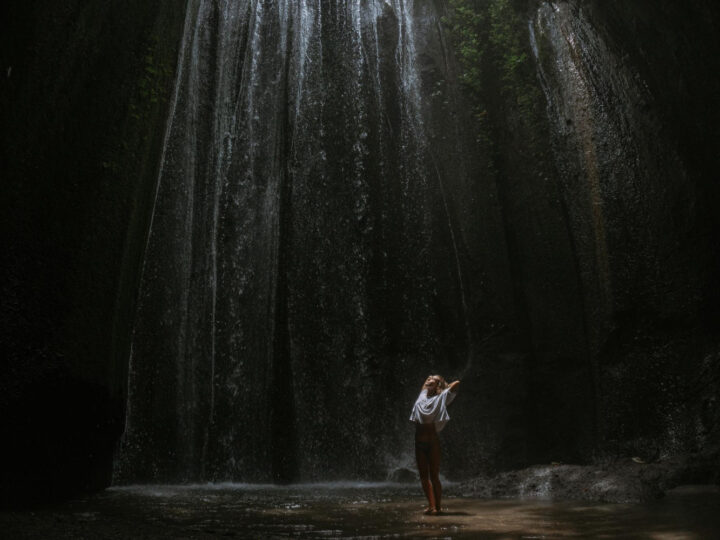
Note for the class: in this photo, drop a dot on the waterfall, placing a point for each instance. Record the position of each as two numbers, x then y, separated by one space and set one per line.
290 278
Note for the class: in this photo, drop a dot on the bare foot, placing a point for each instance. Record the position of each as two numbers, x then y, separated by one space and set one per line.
429 511
435 512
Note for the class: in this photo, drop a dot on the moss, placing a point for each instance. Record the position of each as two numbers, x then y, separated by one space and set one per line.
149 93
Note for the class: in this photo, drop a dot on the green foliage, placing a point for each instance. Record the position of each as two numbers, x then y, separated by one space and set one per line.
508 40
150 84
148 93
490 41
466 27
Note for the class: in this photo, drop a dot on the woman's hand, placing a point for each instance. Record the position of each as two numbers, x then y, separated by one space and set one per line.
453 386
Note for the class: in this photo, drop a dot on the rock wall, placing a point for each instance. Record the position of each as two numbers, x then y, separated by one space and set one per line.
605 166
660 360
84 91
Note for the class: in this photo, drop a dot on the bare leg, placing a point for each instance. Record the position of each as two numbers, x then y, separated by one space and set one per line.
423 466
434 467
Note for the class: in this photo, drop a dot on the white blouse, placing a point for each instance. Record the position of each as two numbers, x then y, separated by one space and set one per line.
428 410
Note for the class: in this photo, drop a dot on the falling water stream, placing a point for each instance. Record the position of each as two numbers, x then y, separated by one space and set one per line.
289 273
324 234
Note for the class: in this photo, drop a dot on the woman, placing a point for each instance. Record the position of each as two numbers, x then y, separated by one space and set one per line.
430 416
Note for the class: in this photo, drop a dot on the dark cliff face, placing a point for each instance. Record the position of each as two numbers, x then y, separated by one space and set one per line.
605 171
349 196
634 148
84 93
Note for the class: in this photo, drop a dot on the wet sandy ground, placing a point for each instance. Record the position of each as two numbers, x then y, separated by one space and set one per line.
355 511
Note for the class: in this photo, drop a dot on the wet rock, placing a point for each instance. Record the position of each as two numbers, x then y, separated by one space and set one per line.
403 475
618 481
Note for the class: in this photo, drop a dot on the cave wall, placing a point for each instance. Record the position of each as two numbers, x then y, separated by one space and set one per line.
660 368
84 91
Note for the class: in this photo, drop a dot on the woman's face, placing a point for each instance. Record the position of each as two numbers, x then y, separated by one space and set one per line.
431 384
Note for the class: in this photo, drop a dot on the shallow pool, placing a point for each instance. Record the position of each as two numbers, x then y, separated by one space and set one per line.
348 510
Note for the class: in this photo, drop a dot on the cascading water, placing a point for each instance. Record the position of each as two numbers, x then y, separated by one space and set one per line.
326 230
296 265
